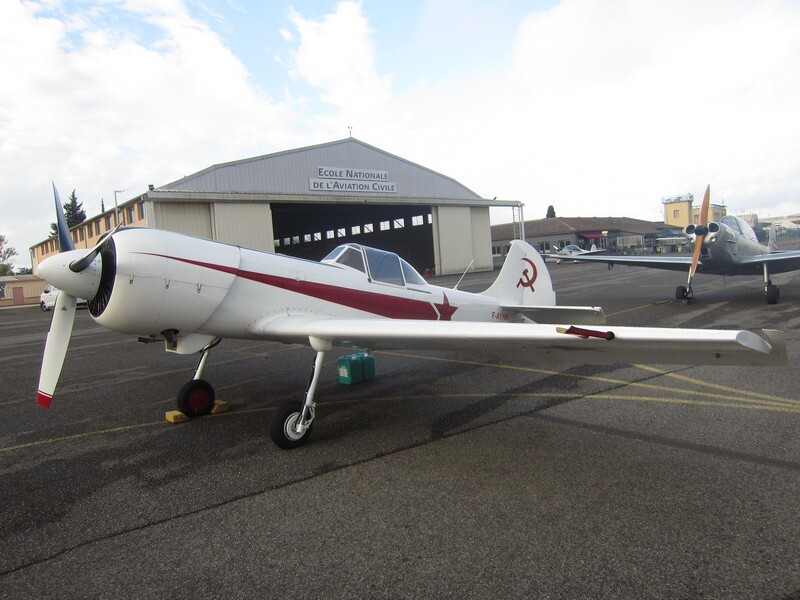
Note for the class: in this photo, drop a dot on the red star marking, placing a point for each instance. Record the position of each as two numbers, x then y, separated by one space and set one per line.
445 309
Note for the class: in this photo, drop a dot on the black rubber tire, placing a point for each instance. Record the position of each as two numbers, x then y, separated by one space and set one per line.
282 419
196 398
680 292
43 306
772 293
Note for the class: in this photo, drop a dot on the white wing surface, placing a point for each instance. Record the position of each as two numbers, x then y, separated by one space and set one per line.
538 343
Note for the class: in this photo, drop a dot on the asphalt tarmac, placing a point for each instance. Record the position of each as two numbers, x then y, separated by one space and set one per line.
447 476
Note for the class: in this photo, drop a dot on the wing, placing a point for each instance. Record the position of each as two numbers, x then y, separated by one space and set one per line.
537 343
778 262
671 263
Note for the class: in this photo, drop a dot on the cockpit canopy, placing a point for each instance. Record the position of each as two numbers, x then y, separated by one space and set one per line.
378 265
739 226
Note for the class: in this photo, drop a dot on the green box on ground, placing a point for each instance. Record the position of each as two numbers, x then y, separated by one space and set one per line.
350 369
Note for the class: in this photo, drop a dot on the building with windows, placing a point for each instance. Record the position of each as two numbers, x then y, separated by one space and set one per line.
307 201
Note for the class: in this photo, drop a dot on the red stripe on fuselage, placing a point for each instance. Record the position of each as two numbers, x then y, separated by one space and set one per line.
384 305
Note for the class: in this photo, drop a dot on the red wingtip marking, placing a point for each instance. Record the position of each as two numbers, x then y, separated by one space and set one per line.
43 399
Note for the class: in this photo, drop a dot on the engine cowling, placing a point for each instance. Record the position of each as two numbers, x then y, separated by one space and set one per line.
162 281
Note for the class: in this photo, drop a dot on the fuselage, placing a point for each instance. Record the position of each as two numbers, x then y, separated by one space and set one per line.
162 281
725 245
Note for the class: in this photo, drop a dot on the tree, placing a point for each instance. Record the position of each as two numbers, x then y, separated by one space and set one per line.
6 254
73 214
551 212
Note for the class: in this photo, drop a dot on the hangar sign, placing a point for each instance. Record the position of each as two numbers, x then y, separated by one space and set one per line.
342 179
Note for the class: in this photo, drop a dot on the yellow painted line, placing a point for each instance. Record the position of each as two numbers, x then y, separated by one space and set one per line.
76 436
742 395
717 386
692 402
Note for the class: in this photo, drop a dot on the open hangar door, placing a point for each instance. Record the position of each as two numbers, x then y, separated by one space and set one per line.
311 231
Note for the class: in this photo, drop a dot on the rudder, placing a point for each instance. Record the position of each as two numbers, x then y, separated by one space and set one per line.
524 279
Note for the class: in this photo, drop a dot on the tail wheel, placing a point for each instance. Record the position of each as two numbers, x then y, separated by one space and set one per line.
196 398
283 429
680 292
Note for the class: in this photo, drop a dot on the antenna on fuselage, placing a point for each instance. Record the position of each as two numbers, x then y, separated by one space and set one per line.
455 287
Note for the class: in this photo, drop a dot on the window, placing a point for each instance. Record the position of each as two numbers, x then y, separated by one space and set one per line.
417 220
368 228
384 266
385 225
355 230
108 222
399 223
140 211
676 214
341 232
330 234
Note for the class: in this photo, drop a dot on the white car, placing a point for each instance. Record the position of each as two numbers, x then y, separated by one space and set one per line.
48 298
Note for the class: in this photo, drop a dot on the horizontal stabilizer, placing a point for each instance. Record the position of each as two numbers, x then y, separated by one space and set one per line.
580 315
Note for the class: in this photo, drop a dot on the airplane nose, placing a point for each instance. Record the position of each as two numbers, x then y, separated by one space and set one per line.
81 285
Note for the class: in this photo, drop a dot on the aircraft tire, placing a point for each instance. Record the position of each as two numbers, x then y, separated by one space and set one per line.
281 426
680 292
772 293
43 306
196 398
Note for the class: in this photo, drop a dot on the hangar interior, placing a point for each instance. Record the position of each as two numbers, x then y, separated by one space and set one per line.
307 201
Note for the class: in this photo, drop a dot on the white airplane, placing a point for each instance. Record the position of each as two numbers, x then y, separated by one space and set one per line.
190 293
571 250
729 247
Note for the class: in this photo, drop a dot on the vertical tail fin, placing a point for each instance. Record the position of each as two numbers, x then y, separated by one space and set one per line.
773 239
524 279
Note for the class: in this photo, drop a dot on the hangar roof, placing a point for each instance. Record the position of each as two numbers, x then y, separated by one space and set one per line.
332 172
580 225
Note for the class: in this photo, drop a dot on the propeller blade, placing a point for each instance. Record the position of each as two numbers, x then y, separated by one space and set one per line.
64 237
698 242
79 265
55 348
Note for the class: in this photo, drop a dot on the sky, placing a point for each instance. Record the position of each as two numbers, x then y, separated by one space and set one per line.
596 107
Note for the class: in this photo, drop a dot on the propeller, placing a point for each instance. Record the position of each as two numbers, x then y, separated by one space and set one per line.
700 231
76 274
55 348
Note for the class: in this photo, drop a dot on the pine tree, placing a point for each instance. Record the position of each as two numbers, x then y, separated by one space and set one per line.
551 212
73 214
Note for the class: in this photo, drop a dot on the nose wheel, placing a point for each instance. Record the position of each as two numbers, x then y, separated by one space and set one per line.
196 398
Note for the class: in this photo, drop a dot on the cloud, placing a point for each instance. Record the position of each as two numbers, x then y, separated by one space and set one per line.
594 107
97 110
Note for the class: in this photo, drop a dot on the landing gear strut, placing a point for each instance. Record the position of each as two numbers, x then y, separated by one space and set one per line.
293 421
771 292
196 397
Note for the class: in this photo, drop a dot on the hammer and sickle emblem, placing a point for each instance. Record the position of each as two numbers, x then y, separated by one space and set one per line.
527 278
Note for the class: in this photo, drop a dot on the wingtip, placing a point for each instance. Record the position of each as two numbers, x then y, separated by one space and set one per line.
43 399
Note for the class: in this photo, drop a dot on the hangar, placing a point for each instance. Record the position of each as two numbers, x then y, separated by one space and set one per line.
307 201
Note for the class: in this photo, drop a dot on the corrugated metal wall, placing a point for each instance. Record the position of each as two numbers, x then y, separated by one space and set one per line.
183 217
454 247
247 225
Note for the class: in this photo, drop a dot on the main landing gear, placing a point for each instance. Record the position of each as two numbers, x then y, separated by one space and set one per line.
771 292
684 294
293 421
196 397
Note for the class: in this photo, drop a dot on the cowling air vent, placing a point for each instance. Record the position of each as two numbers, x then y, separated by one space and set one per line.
108 259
